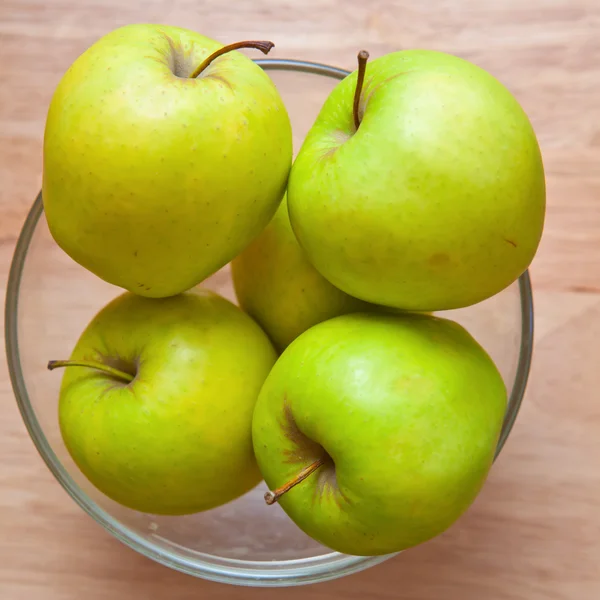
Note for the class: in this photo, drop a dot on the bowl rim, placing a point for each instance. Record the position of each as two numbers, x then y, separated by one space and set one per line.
239 572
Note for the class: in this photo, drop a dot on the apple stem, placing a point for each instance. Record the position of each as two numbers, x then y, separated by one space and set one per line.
272 496
363 57
91 364
264 47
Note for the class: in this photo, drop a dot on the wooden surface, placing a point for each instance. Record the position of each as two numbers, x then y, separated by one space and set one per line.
534 533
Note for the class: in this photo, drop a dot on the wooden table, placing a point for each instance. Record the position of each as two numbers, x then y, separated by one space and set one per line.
534 533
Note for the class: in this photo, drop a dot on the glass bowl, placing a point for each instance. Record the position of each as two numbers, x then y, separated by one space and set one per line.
50 299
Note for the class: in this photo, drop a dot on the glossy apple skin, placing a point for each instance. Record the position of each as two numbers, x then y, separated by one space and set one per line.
407 410
177 439
436 202
153 180
277 285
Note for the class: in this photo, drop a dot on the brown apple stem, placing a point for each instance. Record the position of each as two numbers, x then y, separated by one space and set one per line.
363 57
91 364
264 47
272 496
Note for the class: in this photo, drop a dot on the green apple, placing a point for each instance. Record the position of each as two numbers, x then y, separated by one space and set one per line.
156 402
399 415
277 285
154 178
430 195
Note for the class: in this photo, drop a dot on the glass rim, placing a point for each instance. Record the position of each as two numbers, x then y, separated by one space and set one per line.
232 571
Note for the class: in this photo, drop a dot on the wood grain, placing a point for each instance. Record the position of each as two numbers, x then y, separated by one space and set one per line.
534 533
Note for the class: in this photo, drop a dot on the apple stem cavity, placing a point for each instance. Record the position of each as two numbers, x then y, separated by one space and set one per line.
272 496
264 47
363 57
92 364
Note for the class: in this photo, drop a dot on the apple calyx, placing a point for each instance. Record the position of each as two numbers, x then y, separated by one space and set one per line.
363 57
272 496
264 46
92 364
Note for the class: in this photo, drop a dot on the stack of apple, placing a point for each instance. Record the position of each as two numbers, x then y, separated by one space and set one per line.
419 188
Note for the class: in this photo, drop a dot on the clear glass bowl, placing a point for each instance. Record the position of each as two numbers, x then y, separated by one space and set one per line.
50 300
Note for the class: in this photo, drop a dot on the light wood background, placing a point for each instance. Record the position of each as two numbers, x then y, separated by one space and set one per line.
534 533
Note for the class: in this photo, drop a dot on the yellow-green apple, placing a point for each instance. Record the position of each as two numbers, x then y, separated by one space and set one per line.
376 432
277 285
165 154
157 398
420 185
